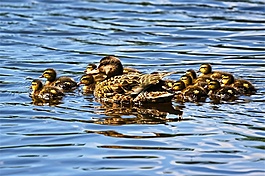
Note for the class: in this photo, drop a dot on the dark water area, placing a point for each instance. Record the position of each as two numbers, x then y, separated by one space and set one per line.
79 136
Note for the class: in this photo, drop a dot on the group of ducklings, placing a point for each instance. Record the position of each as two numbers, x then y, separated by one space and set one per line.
110 82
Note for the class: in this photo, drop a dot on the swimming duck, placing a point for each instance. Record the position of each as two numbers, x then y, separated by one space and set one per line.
90 67
63 82
217 93
192 74
186 79
111 66
243 86
206 71
89 83
190 93
133 88
45 93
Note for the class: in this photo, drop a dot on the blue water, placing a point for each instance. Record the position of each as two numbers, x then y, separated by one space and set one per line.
82 137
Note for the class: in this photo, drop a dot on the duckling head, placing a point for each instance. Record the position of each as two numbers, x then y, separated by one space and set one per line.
90 67
49 74
186 79
178 86
87 79
228 79
36 85
214 85
205 68
191 73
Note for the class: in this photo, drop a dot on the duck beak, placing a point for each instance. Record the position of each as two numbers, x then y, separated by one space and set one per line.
41 76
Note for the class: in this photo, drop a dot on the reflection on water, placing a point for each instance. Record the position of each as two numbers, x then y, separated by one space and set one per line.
80 136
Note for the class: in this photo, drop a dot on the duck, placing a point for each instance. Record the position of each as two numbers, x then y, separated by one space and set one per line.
206 71
109 66
243 86
113 67
218 93
63 82
191 93
133 88
89 83
192 74
90 67
45 93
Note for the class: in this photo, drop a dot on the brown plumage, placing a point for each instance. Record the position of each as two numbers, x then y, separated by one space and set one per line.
45 93
206 71
63 82
243 86
218 93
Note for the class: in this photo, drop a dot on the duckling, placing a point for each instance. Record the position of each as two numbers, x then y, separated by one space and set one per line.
192 74
203 82
177 87
243 86
206 70
217 93
191 93
186 79
90 67
89 83
65 83
45 93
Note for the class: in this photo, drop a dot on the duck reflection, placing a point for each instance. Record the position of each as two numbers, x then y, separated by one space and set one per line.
145 114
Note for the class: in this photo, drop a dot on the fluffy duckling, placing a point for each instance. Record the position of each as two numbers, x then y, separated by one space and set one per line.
186 79
45 93
89 83
192 74
191 93
206 71
63 82
90 67
217 93
243 86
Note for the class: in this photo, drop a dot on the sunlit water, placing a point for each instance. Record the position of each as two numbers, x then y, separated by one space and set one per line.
81 137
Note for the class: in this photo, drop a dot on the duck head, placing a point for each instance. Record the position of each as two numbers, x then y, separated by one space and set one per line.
205 68
36 85
214 85
186 79
228 79
50 74
178 86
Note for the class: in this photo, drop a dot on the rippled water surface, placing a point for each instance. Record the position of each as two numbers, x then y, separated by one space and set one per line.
82 137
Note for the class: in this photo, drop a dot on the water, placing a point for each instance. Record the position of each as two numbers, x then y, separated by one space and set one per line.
82 137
